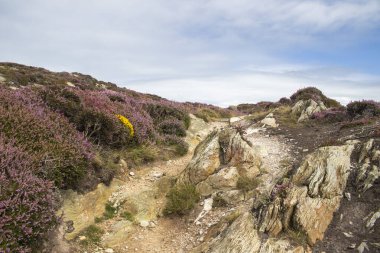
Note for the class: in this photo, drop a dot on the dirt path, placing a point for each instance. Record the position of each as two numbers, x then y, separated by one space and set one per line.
141 191
163 234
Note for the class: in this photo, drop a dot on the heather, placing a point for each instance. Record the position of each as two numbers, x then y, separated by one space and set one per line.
60 153
27 203
365 108
71 131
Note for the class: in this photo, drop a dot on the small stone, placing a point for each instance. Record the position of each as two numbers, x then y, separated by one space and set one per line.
144 223
131 173
152 225
362 247
82 238
109 250
305 150
348 235
157 174
348 195
352 246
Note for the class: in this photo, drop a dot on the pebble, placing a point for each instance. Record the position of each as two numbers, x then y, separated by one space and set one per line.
157 174
131 173
348 196
108 250
82 238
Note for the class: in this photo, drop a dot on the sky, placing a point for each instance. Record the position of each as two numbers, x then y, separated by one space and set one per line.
221 52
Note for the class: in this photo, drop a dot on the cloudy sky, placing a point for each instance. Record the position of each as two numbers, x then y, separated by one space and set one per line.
216 51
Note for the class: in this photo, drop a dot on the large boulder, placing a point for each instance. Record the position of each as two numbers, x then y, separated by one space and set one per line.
220 160
303 109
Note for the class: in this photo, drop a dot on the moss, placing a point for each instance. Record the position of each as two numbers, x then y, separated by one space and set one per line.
181 199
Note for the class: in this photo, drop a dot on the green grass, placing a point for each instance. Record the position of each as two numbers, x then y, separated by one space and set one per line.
127 215
93 235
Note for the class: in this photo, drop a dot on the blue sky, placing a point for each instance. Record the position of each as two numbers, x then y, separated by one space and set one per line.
215 51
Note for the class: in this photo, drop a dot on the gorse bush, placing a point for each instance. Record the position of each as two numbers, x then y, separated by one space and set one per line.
60 153
27 203
126 123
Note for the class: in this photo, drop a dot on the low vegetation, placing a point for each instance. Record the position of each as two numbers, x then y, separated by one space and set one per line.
247 184
70 131
91 235
181 199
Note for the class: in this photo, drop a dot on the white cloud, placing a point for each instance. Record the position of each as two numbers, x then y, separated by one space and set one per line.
219 49
255 86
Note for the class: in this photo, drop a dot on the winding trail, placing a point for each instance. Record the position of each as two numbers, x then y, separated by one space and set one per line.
144 193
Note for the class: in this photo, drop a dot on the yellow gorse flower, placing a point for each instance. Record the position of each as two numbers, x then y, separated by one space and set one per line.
126 123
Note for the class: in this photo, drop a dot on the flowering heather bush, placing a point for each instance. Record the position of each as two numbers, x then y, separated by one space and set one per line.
93 113
172 127
27 203
59 152
167 110
331 115
367 108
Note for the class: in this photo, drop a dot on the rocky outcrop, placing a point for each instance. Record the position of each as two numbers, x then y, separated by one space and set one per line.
299 209
242 236
219 161
308 203
269 120
368 166
305 108
81 210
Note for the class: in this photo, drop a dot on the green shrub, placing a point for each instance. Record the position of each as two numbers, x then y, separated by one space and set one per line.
181 147
181 199
142 154
93 235
109 211
367 108
218 201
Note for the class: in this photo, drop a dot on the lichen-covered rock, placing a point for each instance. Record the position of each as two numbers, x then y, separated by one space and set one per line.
220 160
242 236
312 197
369 162
82 209
205 160
304 109
325 171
